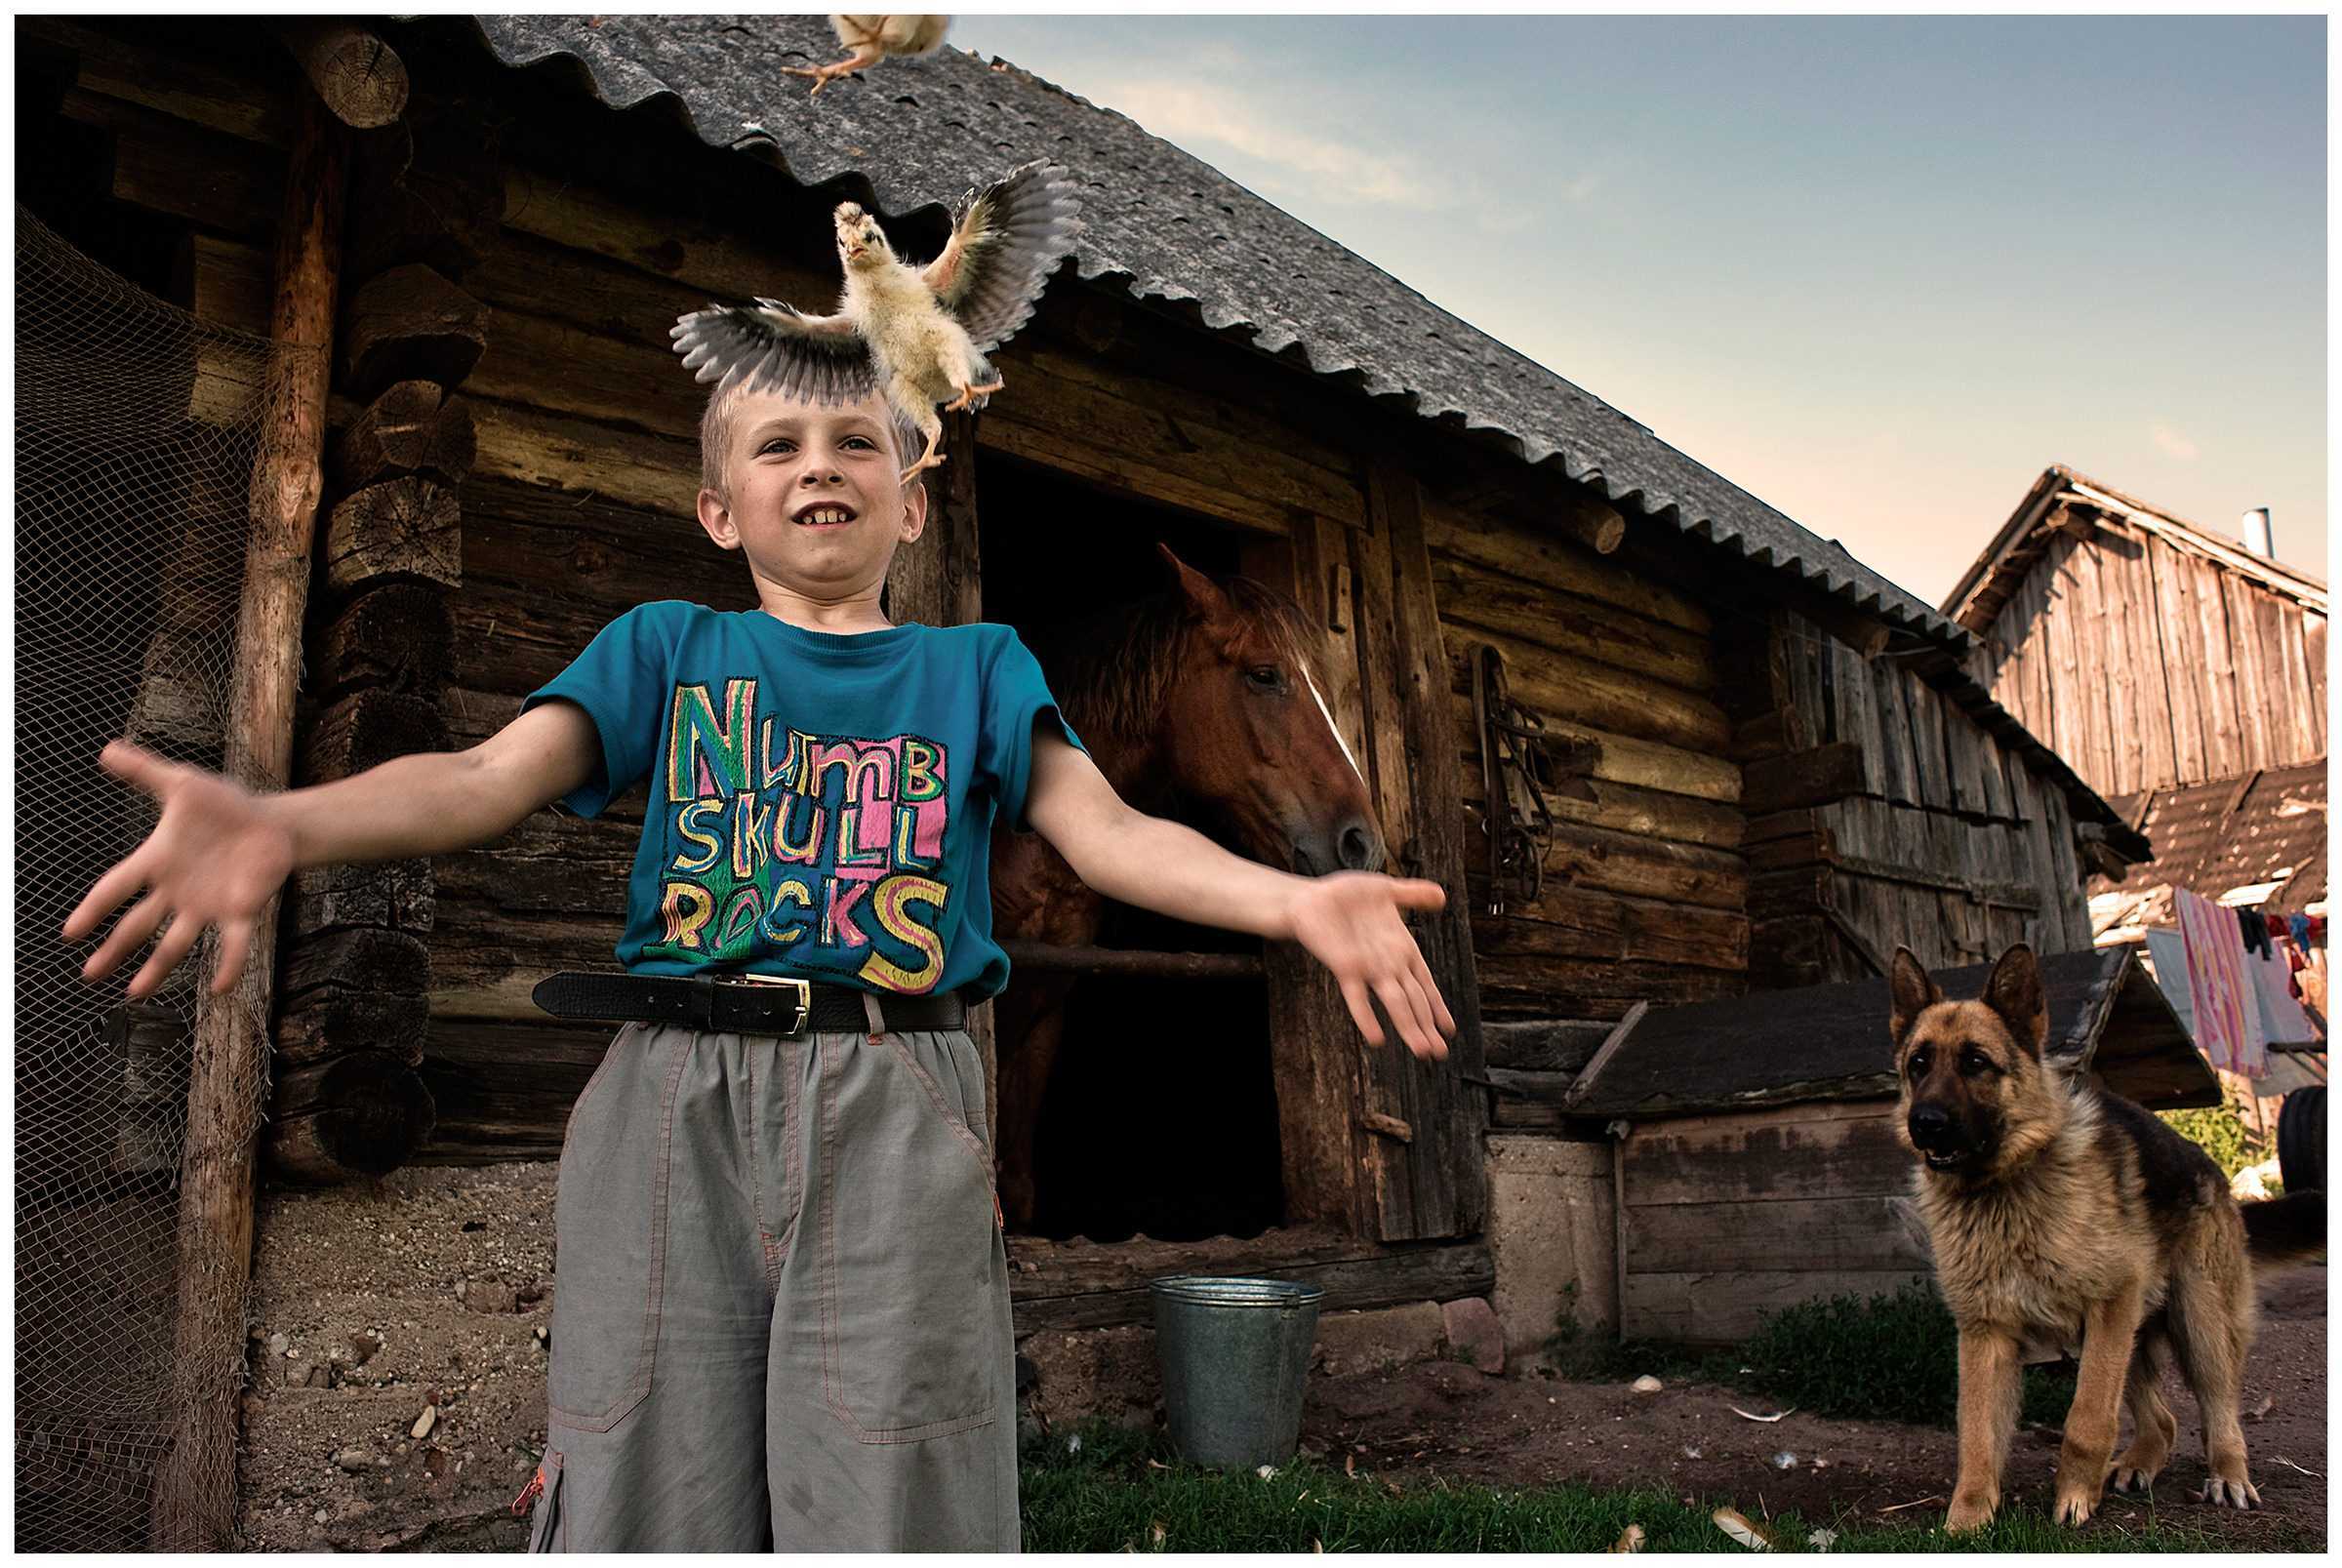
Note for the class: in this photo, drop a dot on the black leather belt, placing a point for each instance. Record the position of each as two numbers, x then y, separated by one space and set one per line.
739 1004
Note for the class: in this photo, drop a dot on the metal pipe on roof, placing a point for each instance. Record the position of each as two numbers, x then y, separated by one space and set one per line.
2257 536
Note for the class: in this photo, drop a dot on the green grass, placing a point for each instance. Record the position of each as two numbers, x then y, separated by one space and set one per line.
1886 1358
1107 1496
2222 1132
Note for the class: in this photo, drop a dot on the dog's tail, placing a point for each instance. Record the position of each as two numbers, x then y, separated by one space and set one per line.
2285 1230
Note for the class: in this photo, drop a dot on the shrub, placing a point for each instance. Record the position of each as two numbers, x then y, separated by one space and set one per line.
1888 1358
2222 1132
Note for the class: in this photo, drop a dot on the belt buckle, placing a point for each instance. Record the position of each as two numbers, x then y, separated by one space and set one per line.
804 988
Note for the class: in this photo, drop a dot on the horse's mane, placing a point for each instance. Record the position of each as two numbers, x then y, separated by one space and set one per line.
1115 672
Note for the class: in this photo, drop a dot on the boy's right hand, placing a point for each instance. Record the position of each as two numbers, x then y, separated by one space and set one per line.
215 858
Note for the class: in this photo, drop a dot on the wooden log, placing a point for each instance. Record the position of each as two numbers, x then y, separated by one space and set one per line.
1533 614
938 580
1810 778
415 427
236 94
393 637
368 728
1575 924
360 959
334 1020
1516 987
1600 696
430 190
504 1090
408 324
656 473
192 1510
1314 1060
360 77
1443 1165
1623 758
401 529
1560 1046
1437 1272
362 1115
1556 561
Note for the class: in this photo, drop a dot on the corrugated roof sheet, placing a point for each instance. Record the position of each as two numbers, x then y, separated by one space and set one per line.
2208 838
1168 227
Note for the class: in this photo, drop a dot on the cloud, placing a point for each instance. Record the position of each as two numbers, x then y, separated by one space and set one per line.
1192 114
2173 442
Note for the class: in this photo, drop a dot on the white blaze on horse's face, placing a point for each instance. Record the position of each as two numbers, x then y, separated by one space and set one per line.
1347 756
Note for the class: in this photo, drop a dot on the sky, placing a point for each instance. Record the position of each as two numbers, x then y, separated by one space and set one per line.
1877 271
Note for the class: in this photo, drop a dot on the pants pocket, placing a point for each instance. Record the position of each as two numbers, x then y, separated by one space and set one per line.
912 1276
545 1528
610 1219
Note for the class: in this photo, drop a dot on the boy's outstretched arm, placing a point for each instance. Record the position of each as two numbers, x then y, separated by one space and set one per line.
221 851
1350 921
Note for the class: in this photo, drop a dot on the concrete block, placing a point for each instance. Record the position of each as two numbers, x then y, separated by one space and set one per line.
1381 1339
1552 1232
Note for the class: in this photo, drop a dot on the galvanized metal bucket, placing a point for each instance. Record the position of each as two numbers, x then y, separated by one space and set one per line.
1236 1354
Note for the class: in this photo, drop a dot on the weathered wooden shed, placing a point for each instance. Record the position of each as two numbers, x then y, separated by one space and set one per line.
1754 1142
1727 756
2147 649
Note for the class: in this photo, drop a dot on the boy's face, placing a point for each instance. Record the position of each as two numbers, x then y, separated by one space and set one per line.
817 503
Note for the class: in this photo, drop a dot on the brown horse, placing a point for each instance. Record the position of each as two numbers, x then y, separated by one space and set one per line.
1204 703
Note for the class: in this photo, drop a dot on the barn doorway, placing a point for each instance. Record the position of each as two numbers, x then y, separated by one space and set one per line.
1160 1117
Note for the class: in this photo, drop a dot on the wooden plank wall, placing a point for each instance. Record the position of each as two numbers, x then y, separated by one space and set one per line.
1951 845
1822 1191
1645 884
2145 665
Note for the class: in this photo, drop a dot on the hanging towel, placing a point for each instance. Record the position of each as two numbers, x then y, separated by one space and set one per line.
2168 949
2282 1022
2226 1018
2299 926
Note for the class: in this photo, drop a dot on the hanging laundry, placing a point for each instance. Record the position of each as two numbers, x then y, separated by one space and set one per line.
2168 949
2227 1019
2299 928
2282 1022
2253 930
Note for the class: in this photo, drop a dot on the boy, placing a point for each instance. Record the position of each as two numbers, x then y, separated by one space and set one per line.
781 1319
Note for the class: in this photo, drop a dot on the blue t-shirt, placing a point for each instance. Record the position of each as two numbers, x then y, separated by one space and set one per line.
820 805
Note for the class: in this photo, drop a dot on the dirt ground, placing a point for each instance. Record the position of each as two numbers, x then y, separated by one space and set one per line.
1443 1418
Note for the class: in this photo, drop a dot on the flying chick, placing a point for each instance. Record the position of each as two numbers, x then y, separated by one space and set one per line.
871 39
918 334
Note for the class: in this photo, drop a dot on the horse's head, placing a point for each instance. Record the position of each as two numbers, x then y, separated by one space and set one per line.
1247 737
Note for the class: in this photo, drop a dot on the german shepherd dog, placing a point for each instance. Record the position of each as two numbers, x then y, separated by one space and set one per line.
2060 1213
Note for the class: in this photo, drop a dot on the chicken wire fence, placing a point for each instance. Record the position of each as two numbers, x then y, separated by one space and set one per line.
136 429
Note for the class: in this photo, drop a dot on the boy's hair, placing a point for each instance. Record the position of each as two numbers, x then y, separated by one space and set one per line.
715 436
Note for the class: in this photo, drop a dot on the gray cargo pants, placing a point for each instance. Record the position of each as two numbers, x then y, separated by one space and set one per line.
781 1315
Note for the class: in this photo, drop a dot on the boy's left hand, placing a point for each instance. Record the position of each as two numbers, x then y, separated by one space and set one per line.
1350 921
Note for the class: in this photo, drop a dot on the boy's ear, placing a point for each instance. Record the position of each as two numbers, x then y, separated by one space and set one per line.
1911 992
915 511
716 517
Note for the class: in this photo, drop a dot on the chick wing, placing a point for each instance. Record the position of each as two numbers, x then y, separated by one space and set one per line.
773 344
1005 242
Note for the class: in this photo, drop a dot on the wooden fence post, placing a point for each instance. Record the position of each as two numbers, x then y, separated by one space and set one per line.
194 1498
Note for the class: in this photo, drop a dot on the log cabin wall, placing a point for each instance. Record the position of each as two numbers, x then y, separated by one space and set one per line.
2145 661
1907 822
1645 887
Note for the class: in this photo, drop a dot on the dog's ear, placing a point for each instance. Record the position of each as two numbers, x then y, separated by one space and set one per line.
1912 990
2013 989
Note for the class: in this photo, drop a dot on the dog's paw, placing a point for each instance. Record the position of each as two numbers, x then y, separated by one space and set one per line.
2131 1478
1970 1511
2230 1491
2075 1502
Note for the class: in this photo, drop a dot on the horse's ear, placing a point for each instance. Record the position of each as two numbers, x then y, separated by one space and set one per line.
1203 594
